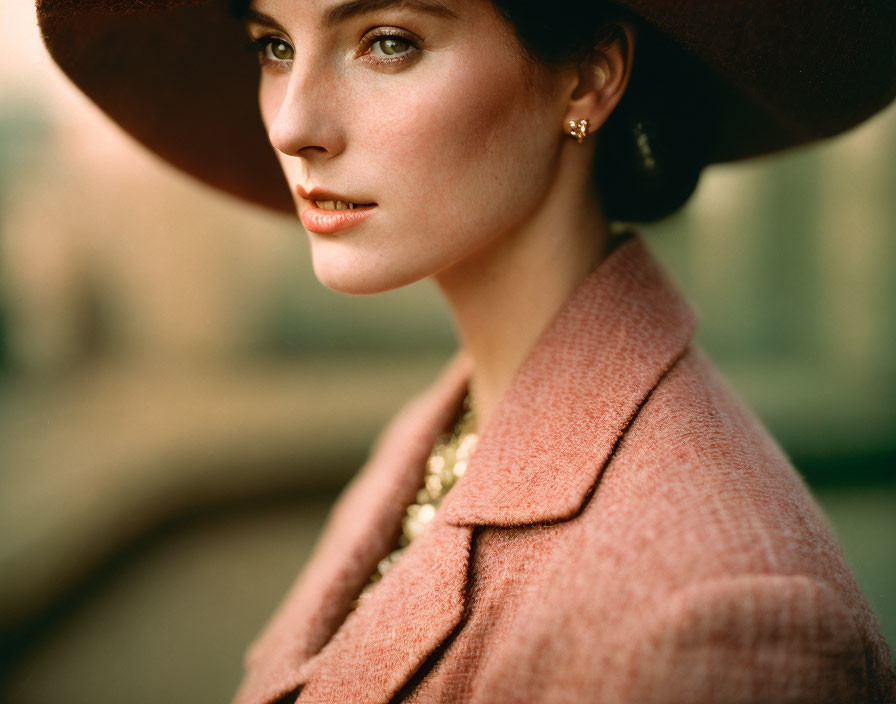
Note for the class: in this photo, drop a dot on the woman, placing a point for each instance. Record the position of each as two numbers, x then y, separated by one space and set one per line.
579 508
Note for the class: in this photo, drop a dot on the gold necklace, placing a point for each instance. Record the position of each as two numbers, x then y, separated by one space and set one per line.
446 464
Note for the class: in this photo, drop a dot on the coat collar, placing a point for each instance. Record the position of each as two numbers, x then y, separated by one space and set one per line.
537 461
575 394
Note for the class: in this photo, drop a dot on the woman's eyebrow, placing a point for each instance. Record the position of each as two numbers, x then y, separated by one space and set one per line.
342 11
250 15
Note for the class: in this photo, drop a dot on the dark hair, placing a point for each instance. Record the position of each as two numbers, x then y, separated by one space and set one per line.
650 151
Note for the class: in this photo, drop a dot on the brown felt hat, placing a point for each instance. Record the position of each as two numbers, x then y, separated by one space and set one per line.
176 74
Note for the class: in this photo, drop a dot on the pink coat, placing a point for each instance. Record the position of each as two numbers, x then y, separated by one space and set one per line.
626 531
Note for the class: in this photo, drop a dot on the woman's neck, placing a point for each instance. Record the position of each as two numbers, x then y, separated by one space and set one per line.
504 296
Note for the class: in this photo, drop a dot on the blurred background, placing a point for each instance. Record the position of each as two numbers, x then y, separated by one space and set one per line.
181 400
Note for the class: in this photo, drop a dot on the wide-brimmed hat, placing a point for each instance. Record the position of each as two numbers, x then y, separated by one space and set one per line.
177 75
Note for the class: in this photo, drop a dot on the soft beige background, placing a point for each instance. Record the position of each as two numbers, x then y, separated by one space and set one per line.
180 399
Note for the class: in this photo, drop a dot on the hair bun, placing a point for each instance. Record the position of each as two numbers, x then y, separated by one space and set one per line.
650 152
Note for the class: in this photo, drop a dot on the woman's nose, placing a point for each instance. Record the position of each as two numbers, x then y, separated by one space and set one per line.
306 121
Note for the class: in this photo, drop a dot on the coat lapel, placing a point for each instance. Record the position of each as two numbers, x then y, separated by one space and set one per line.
537 461
363 527
413 609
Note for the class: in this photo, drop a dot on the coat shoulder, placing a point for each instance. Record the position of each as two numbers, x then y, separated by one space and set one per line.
698 529
709 478
717 514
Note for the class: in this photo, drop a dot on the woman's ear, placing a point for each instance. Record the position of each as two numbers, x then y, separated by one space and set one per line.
603 78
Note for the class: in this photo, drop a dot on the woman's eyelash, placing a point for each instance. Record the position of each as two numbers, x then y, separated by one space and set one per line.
370 40
260 46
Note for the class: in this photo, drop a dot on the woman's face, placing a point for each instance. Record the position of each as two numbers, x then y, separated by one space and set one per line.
422 111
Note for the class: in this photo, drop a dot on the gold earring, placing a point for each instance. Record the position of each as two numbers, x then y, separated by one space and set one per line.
579 129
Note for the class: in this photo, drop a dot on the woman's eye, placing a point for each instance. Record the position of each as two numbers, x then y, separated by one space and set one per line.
273 50
392 47
278 50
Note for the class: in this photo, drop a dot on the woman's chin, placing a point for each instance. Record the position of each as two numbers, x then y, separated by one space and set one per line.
357 279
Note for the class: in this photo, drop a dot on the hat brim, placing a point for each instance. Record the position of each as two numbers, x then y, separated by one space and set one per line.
178 76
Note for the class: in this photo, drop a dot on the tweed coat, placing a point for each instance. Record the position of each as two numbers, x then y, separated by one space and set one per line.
626 531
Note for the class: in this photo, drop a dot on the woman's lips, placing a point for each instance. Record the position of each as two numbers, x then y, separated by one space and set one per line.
326 222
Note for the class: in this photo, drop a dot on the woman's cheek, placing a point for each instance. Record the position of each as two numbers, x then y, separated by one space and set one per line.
446 126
